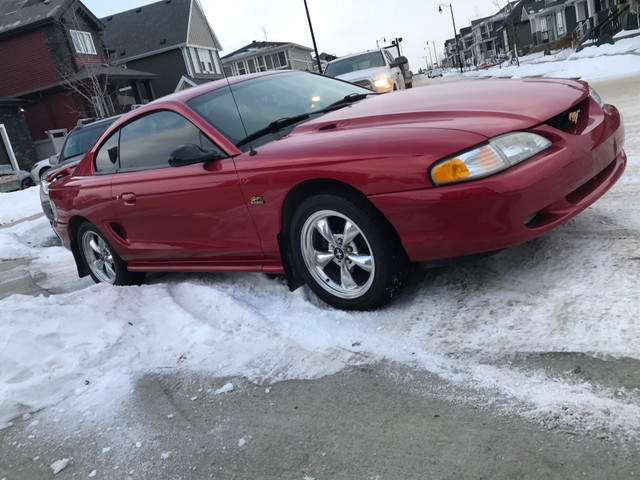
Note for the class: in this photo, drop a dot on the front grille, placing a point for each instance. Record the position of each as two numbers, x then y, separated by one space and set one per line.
573 120
364 83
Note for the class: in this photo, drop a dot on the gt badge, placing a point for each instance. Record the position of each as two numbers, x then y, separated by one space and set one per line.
257 201
573 116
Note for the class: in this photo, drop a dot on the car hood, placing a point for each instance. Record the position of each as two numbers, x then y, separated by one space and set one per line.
367 74
484 107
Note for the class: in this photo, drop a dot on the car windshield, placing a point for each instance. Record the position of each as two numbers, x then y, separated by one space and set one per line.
353 64
80 141
263 100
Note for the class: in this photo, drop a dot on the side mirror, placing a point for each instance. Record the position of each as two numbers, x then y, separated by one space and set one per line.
399 62
189 154
54 159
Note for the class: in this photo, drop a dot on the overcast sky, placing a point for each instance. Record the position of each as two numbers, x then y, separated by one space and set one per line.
340 26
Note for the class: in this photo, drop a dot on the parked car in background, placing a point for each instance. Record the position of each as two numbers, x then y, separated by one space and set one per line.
77 143
373 69
322 180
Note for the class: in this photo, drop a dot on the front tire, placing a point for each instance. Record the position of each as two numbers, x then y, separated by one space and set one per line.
103 263
347 252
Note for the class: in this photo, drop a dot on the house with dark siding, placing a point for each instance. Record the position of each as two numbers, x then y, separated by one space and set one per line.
171 38
55 65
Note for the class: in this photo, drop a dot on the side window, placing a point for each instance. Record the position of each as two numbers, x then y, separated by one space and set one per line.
106 160
147 142
389 56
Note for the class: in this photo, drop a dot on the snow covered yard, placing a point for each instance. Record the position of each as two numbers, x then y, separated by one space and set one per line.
78 351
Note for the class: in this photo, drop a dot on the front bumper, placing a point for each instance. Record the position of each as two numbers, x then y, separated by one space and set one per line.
515 205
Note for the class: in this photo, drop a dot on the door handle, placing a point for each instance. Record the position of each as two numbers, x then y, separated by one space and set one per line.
128 198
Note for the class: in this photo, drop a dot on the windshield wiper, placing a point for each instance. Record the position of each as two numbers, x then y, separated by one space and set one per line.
348 99
281 123
274 126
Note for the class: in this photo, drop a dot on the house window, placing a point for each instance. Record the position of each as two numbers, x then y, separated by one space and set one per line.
283 59
560 23
252 65
83 42
241 69
269 62
260 62
204 56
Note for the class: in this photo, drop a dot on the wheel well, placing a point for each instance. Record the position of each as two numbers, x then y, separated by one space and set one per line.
304 190
307 189
74 225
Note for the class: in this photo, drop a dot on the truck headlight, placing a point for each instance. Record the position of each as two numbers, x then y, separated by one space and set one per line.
498 154
382 83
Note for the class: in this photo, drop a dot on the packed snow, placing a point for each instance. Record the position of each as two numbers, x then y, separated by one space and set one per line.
80 347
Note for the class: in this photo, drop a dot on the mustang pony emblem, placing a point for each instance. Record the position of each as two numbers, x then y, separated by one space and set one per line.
573 116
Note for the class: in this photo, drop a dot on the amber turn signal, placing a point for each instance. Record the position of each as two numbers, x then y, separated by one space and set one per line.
451 170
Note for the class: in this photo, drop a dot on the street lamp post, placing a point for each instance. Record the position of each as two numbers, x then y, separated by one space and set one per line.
381 38
455 31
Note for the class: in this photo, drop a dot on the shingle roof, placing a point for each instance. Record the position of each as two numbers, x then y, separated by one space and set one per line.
19 14
259 46
151 28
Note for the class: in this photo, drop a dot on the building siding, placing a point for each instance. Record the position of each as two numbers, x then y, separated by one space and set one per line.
58 110
199 33
26 63
169 65
13 121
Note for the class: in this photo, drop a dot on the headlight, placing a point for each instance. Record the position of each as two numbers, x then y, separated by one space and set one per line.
499 154
383 82
593 94
44 186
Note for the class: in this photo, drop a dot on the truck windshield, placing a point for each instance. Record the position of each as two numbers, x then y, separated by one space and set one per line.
352 64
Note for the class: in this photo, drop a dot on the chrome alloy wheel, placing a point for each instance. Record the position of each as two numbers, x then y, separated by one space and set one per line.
337 254
99 257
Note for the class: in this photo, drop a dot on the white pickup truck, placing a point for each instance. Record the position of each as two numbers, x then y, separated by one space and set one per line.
374 69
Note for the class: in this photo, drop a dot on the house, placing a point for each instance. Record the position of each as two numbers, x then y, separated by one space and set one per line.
171 38
466 46
550 20
262 56
54 62
487 43
516 29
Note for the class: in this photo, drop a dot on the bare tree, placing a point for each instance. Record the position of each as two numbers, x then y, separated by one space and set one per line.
81 74
507 7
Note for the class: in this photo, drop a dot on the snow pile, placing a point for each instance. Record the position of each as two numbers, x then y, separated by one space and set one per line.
591 63
18 205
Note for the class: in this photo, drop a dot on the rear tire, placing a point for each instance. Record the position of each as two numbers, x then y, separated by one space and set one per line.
102 261
347 252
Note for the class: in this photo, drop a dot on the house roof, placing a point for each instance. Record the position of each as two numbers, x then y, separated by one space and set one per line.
150 29
21 15
10 102
110 72
255 47
540 5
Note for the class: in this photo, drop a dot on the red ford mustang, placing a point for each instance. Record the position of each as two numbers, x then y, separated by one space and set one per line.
331 184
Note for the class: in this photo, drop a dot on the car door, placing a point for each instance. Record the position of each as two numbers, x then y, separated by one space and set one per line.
167 214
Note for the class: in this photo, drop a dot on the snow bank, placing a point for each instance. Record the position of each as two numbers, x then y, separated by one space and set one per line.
591 63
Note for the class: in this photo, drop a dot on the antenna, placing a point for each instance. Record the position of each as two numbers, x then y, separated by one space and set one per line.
252 152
